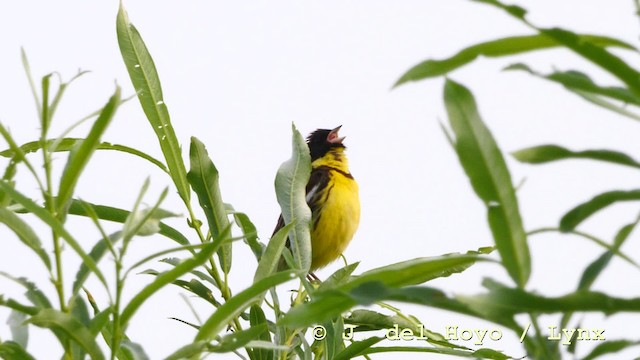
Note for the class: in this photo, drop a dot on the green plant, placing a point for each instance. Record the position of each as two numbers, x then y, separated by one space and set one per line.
320 319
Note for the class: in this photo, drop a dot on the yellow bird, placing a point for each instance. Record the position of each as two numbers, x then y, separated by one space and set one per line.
332 195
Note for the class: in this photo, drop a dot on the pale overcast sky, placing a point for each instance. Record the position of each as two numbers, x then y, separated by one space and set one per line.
236 74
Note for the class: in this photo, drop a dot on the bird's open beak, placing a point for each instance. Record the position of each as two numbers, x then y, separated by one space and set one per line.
333 136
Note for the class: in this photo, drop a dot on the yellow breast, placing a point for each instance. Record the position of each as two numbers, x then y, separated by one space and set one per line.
337 218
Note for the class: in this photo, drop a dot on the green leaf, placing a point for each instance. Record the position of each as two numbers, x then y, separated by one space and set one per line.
356 348
597 100
250 233
580 213
416 271
96 253
486 168
479 354
53 319
609 347
238 303
291 181
67 144
18 328
79 157
548 153
239 339
203 177
166 278
145 80
339 277
578 81
25 234
257 317
136 351
596 267
270 259
374 285
495 48
120 216
55 225
10 350
35 295
503 301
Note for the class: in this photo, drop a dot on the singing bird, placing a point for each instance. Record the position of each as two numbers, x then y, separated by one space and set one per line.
332 195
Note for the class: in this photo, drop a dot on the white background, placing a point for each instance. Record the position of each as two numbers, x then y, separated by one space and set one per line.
237 74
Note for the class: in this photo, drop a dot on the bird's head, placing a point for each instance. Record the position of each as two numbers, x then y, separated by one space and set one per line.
322 140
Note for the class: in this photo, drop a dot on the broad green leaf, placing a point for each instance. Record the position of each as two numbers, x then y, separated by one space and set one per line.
333 342
291 181
495 48
486 168
372 320
55 225
67 144
19 330
416 271
257 317
339 277
580 213
144 77
238 303
579 81
166 278
53 319
609 347
504 301
10 350
203 177
548 153
270 259
120 216
80 155
25 234
374 285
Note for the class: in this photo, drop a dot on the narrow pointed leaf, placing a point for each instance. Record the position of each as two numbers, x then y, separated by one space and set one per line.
495 48
272 254
55 225
10 350
79 157
548 153
67 144
144 77
580 213
53 319
25 234
610 347
203 177
120 216
579 81
485 166
166 278
257 317
291 181
238 303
